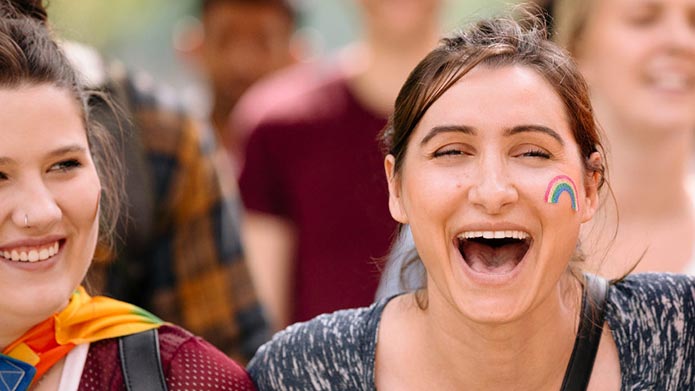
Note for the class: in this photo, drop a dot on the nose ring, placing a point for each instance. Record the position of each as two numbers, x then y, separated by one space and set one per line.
26 221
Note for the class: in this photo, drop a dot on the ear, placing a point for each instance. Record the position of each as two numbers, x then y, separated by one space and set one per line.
395 200
591 182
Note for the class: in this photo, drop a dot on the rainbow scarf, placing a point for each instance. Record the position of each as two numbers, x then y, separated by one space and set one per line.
85 319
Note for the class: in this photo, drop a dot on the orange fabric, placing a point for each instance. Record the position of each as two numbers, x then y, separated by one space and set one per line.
85 319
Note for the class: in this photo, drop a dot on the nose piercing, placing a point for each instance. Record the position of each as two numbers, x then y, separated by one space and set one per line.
26 221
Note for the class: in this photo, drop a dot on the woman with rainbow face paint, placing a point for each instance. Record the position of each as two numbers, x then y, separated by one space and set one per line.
58 200
495 162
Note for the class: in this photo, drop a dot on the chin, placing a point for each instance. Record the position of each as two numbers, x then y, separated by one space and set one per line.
50 299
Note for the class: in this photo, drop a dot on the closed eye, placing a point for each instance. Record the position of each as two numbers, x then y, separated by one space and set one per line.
537 153
447 152
451 150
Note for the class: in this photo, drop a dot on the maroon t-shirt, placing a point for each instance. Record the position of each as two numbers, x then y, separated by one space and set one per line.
315 160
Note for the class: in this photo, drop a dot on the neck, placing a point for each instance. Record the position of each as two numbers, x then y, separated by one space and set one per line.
514 355
11 330
378 66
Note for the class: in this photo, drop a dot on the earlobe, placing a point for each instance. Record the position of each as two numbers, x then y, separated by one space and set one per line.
395 200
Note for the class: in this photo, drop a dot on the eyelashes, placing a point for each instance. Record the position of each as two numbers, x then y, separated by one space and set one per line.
448 152
66 165
538 153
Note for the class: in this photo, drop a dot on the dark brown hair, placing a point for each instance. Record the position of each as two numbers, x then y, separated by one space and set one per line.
496 42
30 56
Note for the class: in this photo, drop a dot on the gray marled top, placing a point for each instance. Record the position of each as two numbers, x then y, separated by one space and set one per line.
652 318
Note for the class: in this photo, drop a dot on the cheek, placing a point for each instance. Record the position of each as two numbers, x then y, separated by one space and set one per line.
433 194
80 202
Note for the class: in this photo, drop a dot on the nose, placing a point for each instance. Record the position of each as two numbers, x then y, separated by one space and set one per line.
493 191
36 208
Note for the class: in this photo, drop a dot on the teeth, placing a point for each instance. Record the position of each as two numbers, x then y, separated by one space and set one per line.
31 255
673 82
494 235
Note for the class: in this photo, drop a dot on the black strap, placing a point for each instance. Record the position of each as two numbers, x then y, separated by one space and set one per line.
140 362
589 335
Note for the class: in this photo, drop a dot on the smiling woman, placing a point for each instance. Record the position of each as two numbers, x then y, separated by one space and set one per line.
494 161
638 57
58 187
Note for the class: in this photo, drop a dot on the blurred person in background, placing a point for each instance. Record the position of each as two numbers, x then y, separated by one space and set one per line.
179 253
317 218
638 57
238 43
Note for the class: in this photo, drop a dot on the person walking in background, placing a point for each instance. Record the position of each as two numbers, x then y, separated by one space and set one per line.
311 181
639 60
59 202
240 42
179 252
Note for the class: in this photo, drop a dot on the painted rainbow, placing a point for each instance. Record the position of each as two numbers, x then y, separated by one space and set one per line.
561 184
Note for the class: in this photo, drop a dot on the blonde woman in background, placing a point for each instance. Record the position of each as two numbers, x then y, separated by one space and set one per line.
638 57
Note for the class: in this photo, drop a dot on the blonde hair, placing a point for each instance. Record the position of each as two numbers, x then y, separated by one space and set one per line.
569 21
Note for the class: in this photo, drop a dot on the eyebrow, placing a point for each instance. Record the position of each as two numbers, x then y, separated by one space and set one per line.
73 148
68 149
509 132
536 129
447 129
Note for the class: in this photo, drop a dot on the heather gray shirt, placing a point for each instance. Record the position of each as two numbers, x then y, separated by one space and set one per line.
652 318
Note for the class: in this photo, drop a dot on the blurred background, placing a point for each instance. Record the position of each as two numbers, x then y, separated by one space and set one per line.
146 34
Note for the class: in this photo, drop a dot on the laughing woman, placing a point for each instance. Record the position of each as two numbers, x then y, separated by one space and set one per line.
57 201
495 161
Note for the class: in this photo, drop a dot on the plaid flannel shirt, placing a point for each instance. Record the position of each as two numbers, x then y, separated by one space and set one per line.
180 254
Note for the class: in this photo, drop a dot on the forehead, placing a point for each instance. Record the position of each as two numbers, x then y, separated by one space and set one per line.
41 112
496 98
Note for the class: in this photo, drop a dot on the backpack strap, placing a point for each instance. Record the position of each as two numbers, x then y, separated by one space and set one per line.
588 336
140 362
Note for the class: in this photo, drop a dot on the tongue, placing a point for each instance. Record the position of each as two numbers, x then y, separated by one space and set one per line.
492 260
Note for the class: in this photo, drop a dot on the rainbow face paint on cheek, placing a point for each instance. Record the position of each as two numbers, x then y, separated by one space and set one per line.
558 185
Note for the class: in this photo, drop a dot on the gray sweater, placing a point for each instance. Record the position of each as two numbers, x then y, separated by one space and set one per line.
651 316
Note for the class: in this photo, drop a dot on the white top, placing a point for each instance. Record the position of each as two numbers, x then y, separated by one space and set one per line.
72 370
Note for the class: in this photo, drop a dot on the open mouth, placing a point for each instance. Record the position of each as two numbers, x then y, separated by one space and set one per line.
493 252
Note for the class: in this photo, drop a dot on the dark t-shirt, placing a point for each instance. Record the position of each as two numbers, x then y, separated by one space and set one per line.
651 317
316 162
